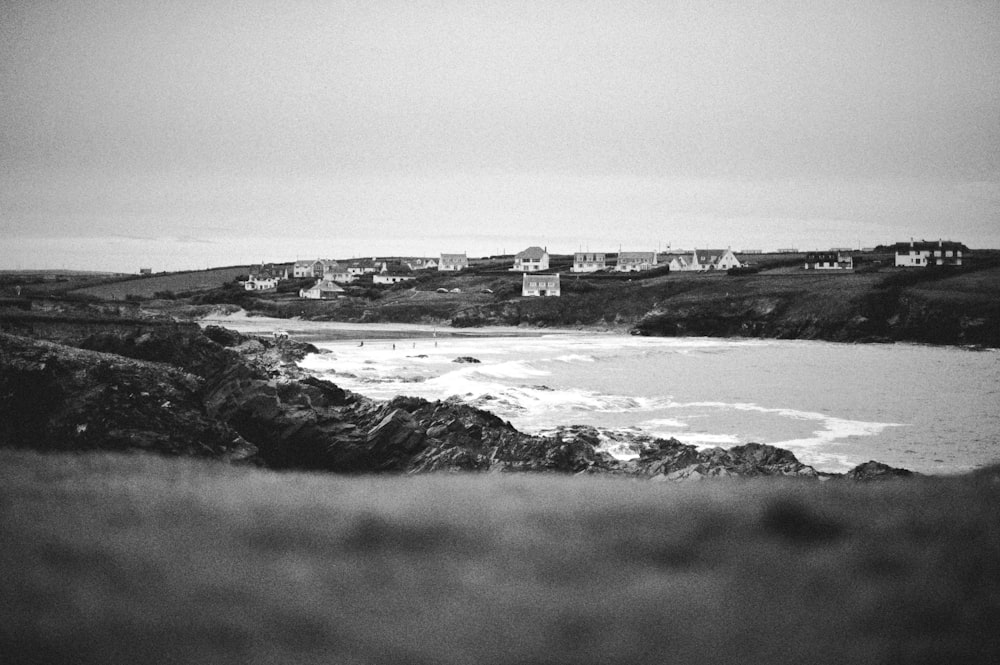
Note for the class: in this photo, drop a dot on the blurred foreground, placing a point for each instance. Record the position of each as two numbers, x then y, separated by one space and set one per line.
132 558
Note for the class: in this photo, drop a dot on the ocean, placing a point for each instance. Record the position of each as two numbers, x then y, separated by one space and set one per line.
929 409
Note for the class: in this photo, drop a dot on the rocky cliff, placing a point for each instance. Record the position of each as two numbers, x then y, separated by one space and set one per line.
178 390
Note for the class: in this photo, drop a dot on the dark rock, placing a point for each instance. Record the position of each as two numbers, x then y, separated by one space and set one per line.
873 470
466 359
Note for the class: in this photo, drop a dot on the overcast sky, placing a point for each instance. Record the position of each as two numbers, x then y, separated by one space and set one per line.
175 135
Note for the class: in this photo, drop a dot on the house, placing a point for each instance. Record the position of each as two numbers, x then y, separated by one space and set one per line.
322 290
393 274
635 261
145 271
261 284
315 268
589 261
533 259
674 261
713 259
363 266
265 277
339 274
831 260
422 264
453 262
535 284
922 254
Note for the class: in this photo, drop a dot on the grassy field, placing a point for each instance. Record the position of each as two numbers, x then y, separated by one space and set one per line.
138 559
179 282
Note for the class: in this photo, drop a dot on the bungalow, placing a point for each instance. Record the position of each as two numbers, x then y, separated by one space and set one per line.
265 277
267 271
533 259
363 266
922 254
340 275
713 259
453 262
313 268
540 285
674 261
635 261
832 260
322 290
589 261
393 274
422 264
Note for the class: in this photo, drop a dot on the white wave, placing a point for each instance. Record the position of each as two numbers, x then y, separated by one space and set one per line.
513 369
576 358
661 422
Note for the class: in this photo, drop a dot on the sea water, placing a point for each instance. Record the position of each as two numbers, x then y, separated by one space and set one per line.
929 409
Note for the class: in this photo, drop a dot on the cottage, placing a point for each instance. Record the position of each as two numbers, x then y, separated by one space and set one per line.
265 277
713 259
453 262
322 290
422 264
315 268
635 261
922 254
540 285
589 261
393 274
340 275
261 284
533 259
832 260
673 261
363 266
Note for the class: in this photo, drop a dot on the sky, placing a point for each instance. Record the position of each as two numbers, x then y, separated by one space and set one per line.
178 135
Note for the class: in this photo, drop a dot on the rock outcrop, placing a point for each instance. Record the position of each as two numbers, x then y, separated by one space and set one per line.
178 390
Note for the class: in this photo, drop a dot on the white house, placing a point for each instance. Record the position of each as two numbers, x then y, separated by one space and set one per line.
339 275
533 259
832 260
534 284
453 262
922 254
393 274
313 268
674 261
261 284
363 266
713 259
322 290
422 264
265 277
635 261
589 261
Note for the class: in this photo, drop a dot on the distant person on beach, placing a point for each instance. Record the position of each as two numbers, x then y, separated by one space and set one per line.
362 343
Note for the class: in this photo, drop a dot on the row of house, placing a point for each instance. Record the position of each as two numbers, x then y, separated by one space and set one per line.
698 260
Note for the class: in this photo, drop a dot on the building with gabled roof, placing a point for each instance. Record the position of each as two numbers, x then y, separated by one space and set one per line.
635 261
536 284
453 262
313 268
323 289
533 259
832 260
589 261
922 254
713 259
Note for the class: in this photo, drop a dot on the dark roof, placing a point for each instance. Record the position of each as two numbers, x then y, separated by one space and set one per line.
533 252
925 245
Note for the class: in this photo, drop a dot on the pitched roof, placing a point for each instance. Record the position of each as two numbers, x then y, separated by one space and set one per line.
454 257
539 278
534 253
925 245
641 256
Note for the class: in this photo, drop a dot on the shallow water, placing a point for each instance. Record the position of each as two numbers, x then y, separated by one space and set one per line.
929 409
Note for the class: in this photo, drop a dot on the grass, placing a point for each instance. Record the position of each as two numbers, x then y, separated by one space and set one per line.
113 559
179 282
